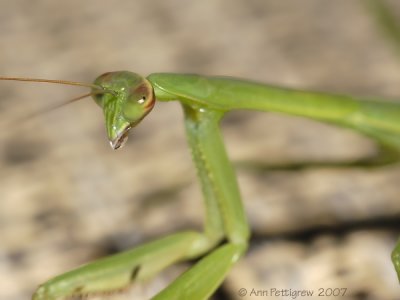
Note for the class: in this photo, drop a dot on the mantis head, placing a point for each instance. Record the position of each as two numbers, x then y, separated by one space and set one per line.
128 99
125 97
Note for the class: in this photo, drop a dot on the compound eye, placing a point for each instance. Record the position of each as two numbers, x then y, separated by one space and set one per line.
143 95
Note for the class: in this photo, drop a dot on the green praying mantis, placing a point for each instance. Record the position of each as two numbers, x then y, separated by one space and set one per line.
126 98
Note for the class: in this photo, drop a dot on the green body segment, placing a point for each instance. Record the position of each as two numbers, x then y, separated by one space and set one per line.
377 119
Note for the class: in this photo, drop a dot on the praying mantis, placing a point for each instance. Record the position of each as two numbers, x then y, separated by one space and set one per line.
126 98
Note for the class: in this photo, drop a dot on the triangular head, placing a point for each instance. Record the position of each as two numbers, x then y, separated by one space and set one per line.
129 98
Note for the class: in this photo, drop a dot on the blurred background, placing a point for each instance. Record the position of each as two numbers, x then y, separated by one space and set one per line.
66 198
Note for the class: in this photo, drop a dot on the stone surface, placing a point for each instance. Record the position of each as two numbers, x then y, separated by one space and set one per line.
66 198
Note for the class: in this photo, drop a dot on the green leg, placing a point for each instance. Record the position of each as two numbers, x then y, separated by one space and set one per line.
221 190
203 279
396 258
225 219
116 272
